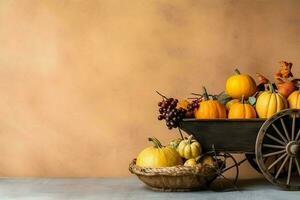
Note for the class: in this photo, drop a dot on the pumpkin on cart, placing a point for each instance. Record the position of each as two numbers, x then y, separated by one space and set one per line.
221 125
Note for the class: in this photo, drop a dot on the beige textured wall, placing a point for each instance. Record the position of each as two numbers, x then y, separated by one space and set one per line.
77 77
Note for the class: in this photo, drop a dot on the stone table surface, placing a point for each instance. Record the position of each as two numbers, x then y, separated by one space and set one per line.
127 188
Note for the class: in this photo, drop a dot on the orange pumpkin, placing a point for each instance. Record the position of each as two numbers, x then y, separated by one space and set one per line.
240 84
241 110
231 102
209 108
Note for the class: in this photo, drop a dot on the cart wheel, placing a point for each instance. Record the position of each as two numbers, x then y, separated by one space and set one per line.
279 138
252 161
227 171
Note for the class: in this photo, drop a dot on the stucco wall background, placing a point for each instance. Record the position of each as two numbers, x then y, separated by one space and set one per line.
77 78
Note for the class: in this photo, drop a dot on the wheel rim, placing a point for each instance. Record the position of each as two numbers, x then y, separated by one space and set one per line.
279 137
227 171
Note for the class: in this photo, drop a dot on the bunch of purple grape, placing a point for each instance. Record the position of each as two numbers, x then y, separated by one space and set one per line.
169 112
193 105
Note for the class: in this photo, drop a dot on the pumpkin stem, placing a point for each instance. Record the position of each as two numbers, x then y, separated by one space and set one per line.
190 139
243 99
237 71
271 88
205 94
155 142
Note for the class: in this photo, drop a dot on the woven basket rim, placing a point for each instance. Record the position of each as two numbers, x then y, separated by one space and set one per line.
179 170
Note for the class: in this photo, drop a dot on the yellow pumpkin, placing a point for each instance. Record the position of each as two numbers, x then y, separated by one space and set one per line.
269 103
189 148
230 103
158 156
190 162
210 109
240 84
294 100
241 110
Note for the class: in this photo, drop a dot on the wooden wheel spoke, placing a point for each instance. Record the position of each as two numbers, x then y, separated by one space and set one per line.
274 153
298 135
228 168
281 167
285 130
275 139
274 146
279 133
289 171
276 161
298 165
293 126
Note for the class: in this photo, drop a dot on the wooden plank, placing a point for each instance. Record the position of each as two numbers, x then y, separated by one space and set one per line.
235 136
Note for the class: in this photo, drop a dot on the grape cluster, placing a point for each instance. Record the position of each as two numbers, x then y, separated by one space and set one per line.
193 105
169 112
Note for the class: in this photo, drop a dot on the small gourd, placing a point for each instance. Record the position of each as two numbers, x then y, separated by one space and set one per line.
191 162
240 84
174 143
241 110
189 148
208 160
269 103
210 108
158 156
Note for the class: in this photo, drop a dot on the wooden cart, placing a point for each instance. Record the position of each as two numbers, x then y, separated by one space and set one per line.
272 146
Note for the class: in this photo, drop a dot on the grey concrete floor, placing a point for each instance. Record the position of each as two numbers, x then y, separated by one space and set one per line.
127 188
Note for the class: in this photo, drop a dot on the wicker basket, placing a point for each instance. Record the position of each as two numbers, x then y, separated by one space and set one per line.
177 178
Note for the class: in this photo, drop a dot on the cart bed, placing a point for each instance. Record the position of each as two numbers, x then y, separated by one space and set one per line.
235 136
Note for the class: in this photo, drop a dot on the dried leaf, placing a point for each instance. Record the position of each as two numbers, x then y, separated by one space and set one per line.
262 79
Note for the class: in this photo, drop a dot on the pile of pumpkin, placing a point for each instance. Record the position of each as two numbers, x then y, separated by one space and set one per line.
185 152
243 99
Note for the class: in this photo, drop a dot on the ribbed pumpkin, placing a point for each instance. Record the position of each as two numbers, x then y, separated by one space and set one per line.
240 84
269 103
294 100
230 103
158 156
241 110
209 108
189 148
